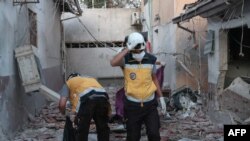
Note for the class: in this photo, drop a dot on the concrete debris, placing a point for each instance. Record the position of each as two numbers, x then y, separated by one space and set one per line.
186 139
220 139
240 87
49 125
234 118
184 98
236 100
247 121
185 102
167 116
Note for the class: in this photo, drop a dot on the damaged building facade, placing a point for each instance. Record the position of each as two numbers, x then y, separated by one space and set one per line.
203 43
180 46
31 23
227 50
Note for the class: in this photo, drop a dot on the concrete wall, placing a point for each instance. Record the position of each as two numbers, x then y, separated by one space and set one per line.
105 25
164 45
15 105
167 38
94 62
195 59
161 34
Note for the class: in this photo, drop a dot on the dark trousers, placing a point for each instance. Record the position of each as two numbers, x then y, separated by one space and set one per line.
137 115
98 110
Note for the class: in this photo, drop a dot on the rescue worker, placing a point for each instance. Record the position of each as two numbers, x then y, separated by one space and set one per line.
140 105
88 100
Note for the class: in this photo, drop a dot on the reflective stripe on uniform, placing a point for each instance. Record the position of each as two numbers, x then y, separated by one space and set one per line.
86 92
136 100
136 66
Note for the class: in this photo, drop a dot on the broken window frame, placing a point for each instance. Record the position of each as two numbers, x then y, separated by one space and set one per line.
32 27
116 44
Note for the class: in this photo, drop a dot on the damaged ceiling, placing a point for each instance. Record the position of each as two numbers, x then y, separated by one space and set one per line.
207 9
72 6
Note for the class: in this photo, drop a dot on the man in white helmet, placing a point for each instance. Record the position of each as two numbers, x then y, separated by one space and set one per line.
140 105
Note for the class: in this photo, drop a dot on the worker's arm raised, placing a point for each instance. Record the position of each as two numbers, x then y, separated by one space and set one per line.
118 59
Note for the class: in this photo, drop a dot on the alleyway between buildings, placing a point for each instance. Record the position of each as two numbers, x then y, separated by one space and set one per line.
48 125
202 48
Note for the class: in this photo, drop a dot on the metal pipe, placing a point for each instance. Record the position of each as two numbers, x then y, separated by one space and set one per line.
188 30
69 18
184 28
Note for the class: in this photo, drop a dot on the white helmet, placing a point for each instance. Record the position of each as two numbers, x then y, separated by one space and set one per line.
136 41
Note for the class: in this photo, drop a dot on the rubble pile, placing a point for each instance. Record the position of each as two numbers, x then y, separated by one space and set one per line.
195 128
235 100
188 123
47 126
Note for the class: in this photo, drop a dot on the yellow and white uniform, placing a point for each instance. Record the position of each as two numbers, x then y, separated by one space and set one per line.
139 86
83 86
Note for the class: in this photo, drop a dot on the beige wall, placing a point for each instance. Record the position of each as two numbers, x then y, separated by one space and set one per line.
161 35
163 8
179 4
106 25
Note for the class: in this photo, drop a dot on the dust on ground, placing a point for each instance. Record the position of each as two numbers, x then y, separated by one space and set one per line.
49 126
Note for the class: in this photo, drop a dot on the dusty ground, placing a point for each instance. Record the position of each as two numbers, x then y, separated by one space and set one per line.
48 126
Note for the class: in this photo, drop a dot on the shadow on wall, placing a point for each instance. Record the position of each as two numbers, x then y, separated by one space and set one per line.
4 81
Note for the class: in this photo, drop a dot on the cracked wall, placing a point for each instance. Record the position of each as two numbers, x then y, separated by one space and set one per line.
15 26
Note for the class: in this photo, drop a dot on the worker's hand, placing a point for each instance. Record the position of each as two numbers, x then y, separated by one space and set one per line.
75 120
72 116
163 105
163 63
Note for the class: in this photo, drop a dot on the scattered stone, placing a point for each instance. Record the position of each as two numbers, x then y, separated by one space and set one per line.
49 125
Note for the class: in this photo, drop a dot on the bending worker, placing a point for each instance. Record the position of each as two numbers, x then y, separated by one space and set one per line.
141 83
88 100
